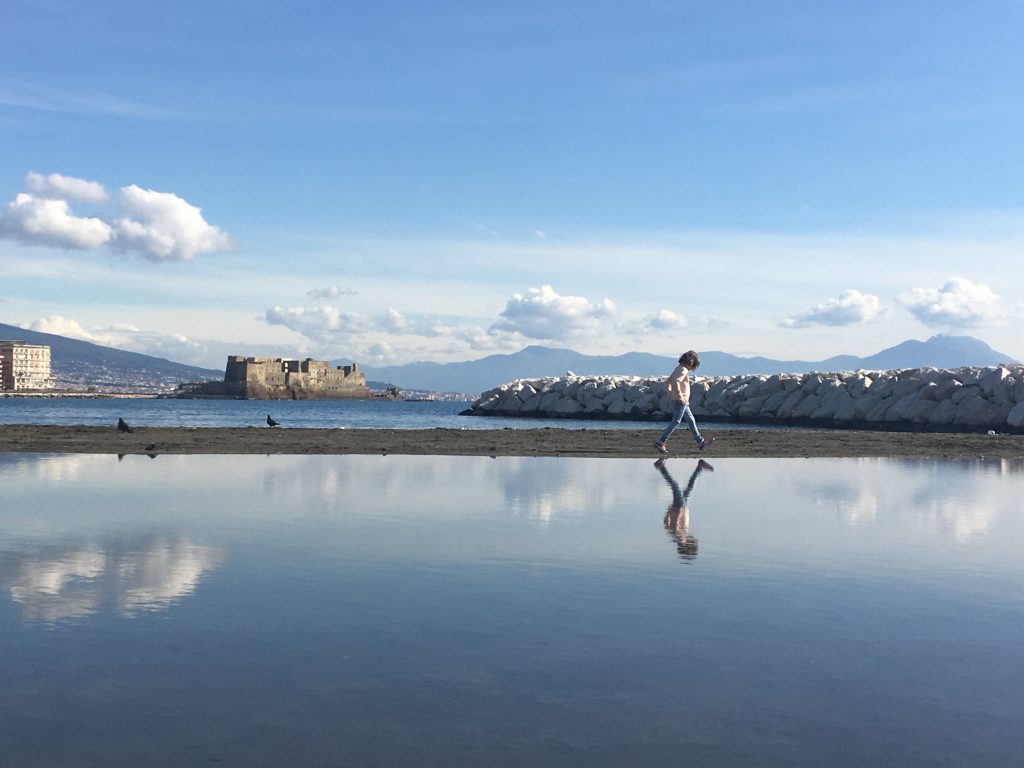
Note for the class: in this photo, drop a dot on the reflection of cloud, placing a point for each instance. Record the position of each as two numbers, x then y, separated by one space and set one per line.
58 586
958 517
952 498
74 581
539 490
51 469
165 571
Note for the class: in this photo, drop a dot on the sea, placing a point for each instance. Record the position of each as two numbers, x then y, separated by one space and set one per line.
461 611
326 414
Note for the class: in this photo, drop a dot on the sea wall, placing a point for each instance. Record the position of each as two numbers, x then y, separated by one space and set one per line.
961 399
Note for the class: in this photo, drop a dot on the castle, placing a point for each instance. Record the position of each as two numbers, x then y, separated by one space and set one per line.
275 378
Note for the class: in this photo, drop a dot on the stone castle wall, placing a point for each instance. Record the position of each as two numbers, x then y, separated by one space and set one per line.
275 378
959 399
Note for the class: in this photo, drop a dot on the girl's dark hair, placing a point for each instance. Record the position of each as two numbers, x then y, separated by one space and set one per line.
690 359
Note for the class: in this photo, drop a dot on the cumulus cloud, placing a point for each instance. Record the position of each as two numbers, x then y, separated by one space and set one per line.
331 292
541 313
959 303
165 227
172 346
665 320
160 226
41 221
316 323
60 326
849 308
58 187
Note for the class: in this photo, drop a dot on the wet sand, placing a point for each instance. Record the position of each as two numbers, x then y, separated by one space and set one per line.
612 443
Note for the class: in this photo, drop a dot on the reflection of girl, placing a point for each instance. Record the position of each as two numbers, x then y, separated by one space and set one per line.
677 516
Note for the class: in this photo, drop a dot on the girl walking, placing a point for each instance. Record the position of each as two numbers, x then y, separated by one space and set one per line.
679 392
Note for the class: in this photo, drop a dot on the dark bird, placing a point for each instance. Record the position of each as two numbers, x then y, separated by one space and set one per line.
122 425
271 422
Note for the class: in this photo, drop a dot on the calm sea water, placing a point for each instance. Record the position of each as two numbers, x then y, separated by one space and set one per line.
465 611
363 414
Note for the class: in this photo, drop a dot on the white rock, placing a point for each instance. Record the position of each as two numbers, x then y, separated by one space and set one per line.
1016 416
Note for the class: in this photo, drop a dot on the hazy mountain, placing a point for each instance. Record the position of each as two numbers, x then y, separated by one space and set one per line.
475 376
82 363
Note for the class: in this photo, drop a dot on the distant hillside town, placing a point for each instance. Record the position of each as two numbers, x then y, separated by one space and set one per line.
24 367
276 378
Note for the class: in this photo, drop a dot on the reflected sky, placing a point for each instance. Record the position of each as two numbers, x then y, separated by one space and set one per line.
268 610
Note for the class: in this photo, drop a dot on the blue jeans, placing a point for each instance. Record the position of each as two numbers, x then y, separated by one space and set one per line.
682 413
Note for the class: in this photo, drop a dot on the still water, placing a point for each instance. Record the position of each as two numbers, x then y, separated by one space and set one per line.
458 611
315 414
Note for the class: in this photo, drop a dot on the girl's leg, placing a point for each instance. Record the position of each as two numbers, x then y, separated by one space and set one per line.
692 424
677 419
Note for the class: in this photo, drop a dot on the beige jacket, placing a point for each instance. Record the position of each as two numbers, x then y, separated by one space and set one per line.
679 384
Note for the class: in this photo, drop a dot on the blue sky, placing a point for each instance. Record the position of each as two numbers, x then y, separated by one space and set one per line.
402 181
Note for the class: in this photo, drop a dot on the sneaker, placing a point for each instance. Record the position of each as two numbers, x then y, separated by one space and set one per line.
660 446
705 442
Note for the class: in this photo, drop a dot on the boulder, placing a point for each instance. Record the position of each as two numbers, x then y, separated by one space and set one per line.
832 402
865 404
992 379
548 401
566 406
790 404
1016 416
531 405
975 411
808 406
943 414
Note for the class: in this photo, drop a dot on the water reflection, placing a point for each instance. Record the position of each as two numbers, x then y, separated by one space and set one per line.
677 516
953 498
464 611
71 581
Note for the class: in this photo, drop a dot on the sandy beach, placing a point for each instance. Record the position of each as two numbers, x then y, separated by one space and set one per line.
611 443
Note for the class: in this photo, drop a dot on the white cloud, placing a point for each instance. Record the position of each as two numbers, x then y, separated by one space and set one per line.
158 225
541 313
60 326
959 303
331 292
664 320
172 346
58 187
321 324
165 227
849 308
40 221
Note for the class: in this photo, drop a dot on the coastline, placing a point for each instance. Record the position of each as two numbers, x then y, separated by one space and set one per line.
606 443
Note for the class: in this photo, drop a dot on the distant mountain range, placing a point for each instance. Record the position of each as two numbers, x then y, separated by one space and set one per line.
82 364
475 376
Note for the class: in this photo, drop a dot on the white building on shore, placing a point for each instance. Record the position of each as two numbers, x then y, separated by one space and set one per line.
24 366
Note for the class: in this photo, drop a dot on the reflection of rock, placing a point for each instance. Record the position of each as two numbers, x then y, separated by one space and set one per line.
70 582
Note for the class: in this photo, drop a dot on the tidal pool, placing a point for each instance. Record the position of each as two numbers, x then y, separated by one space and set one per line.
457 611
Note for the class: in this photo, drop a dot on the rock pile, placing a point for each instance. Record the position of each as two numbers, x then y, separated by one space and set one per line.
919 398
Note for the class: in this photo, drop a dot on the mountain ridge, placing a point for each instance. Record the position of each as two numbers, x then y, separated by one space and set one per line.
84 363
76 362
536 361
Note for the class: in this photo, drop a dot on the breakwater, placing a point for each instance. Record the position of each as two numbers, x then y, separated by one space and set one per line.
960 399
